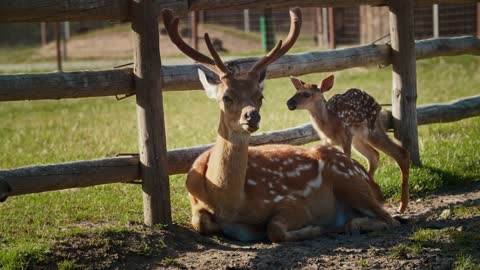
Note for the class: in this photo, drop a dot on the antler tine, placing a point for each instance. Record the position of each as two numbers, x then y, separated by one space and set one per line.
264 61
276 53
171 24
216 58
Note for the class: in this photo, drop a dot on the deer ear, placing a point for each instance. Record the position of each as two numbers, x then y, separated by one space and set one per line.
296 82
327 83
211 89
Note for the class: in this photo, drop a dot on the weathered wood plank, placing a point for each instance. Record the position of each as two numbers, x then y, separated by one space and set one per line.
65 10
37 179
59 85
126 169
185 77
151 123
118 10
404 77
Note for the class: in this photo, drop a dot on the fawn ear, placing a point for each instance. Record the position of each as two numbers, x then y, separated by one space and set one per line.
296 82
327 84
211 89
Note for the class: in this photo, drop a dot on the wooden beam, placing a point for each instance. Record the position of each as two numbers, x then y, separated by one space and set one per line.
118 10
37 179
65 10
185 77
404 77
60 85
151 123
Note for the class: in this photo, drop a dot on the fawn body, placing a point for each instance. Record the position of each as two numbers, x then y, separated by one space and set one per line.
280 191
351 119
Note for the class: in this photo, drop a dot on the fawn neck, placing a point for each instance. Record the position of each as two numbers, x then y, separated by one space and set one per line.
319 114
227 166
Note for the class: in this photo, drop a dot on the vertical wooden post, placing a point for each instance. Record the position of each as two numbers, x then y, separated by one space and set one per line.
331 28
319 24
325 26
246 20
194 28
43 33
404 78
151 125
436 31
58 47
478 19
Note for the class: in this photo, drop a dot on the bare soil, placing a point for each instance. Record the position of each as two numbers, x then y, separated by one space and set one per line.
178 247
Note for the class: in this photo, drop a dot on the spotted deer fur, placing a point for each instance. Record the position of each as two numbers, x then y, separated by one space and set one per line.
350 119
283 192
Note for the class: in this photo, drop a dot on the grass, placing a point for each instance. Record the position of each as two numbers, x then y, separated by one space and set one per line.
43 132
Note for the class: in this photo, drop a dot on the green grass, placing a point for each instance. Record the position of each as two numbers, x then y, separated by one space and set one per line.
42 132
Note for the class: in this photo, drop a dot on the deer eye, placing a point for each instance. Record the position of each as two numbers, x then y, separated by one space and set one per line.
227 99
306 95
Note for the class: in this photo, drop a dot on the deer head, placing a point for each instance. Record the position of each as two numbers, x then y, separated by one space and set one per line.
239 99
308 95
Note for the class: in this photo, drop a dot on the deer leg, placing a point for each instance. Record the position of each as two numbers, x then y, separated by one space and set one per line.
347 144
290 226
202 220
379 139
365 224
358 194
369 153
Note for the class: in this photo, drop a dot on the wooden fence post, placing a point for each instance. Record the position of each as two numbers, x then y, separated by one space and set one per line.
404 80
151 124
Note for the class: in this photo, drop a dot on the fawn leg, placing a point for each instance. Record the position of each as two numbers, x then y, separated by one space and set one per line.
379 139
289 225
367 151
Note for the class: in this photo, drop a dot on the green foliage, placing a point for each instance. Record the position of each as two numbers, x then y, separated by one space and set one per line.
68 265
22 255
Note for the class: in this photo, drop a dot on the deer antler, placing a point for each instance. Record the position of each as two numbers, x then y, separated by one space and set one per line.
216 64
279 50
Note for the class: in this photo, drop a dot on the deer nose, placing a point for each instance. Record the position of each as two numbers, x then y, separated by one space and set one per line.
252 117
291 104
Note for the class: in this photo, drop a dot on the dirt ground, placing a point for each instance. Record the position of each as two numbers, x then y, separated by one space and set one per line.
178 247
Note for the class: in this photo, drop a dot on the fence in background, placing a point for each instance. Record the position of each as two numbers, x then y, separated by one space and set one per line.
148 76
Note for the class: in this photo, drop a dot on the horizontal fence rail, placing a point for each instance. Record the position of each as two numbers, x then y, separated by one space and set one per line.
59 85
118 10
126 169
185 77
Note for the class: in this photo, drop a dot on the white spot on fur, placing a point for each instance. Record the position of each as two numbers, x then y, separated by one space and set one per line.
270 185
255 165
284 187
342 164
278 198
252 182
266 201
272 192
350 172
291 197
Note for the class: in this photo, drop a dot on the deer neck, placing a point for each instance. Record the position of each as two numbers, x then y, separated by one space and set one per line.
227 167
321 119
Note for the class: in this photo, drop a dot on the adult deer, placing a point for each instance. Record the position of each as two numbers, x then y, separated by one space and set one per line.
280 191
350 118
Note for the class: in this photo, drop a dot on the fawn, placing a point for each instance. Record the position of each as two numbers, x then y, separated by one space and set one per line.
283 192
351 118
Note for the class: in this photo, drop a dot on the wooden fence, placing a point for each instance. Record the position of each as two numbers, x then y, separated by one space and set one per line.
148 76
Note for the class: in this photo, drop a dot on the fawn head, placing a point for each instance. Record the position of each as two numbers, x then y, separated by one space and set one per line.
239 99
308 95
